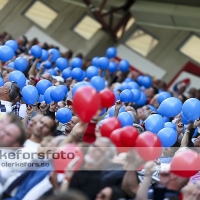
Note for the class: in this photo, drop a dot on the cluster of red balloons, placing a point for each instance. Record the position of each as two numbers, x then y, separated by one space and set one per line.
147 144
86 102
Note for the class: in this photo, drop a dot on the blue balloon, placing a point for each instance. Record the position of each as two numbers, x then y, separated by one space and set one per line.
20 64
98 83
133 85
170 107
111 52
76 63
128 80
103 63
140 79
1 82
112 67
166 119
41 98
124 86
162 96
191 109
136 94
154 123
47 97
36 51
43 85
124 65
95 61
45 55
91 72
126 119
17 77
62 63
106 117
13 44
30 94
48 65
112 110
6 53
117 96
170 125
82 77
152 108
184 119
147 81
52 72
57 94
66 73
167 136
64 115
77 73
143 99
55 54
103 112
126 96
64 88
10 65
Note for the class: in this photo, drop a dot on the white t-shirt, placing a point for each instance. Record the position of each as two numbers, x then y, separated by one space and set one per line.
5 107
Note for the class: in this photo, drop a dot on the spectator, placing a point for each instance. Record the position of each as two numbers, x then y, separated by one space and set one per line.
8 93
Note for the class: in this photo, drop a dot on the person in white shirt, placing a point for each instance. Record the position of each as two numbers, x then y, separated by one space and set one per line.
8 93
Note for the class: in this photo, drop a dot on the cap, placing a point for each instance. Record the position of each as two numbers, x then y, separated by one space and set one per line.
58 78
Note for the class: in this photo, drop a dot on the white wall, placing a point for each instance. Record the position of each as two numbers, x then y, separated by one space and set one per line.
139 62
43 37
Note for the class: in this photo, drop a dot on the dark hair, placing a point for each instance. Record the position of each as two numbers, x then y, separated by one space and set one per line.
184 98
25 40
14 91
155 90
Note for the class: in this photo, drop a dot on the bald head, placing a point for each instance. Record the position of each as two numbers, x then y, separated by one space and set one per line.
46 76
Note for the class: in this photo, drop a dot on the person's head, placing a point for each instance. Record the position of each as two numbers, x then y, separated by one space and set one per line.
9 91
32 123
68 81
7 119
150 92
46 76
182 98
22 40
68 54
45 126
12 135
60 104
70 125
110 193
169 152
147 111
100 153
140 114
197 142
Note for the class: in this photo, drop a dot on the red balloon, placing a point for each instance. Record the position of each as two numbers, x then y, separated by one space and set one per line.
107 98
86 103
185 164
109 125
65 155
148 146
116 139
129 135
